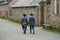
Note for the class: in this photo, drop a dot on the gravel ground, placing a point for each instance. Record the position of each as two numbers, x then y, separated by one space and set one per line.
13 31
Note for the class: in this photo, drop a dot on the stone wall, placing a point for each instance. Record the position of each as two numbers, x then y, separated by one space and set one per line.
17 13
53 18
49 13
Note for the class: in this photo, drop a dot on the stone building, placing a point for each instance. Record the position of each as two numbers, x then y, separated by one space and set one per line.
50 9
5 7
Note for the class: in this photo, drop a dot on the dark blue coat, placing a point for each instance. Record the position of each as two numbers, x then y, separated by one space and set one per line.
24 20
32 21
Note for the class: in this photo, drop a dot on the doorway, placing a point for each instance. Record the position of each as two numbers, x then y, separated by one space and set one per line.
42 14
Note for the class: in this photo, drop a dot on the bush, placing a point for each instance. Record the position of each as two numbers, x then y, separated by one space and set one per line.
53 29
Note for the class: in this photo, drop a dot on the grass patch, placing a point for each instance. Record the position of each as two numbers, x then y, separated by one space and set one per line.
15 21
37 25
53 29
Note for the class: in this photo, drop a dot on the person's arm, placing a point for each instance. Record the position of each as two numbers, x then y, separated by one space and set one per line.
21 21
27 21
34 20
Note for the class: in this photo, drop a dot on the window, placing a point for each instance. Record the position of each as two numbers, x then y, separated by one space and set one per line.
6 13
0 12
48 8
10 13
58 8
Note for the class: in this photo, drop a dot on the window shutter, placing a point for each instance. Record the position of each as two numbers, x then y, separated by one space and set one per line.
58 8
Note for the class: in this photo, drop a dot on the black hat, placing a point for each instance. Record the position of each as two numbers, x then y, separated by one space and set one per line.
24 14
31 14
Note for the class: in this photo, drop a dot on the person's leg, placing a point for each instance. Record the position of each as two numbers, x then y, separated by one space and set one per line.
30 29
22 27
24 30
25 27
33 29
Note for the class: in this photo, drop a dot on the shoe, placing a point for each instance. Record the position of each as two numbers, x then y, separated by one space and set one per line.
33 33
24 32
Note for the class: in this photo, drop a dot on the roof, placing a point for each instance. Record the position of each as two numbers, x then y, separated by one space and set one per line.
2 2
22 3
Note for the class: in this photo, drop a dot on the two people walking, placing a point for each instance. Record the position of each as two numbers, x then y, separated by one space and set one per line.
24 22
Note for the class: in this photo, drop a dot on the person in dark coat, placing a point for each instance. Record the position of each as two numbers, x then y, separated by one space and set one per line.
31 23
24 23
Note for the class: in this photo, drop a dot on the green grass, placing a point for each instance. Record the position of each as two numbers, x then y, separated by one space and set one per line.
53 29
15 21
